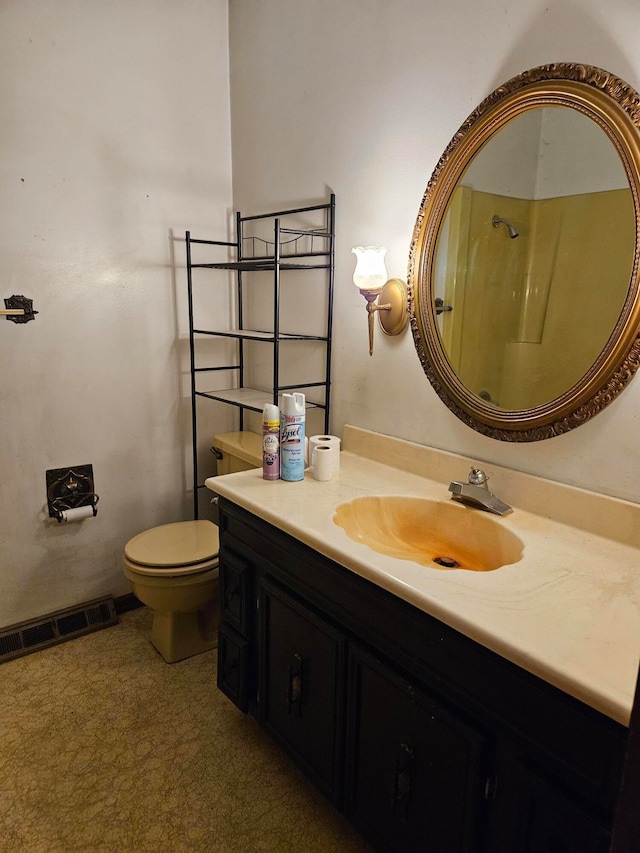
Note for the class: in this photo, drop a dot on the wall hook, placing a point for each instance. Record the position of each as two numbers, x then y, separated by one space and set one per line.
441 307
18 309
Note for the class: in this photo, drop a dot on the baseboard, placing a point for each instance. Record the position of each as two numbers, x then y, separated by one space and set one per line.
124 603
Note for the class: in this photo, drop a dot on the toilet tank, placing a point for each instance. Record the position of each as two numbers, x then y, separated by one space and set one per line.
237 451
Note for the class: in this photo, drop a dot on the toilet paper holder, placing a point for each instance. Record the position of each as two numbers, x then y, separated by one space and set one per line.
70 488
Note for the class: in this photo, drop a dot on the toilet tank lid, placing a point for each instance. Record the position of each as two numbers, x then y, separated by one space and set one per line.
180 544
244 445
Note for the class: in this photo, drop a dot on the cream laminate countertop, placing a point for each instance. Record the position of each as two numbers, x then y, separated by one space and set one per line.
568 611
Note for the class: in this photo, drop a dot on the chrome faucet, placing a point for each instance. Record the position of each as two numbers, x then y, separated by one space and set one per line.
476 493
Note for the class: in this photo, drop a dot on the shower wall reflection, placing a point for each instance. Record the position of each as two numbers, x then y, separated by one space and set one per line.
531 314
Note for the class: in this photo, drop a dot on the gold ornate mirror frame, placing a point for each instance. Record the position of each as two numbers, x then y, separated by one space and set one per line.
615 107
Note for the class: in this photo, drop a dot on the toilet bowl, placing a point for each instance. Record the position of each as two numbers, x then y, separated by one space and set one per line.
173 569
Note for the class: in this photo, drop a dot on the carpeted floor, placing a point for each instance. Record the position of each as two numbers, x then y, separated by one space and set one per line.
105 748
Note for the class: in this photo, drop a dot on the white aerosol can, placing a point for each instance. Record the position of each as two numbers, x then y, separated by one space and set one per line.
292 437
271 442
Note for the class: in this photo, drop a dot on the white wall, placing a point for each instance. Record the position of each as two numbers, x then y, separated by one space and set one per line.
361 97
114 139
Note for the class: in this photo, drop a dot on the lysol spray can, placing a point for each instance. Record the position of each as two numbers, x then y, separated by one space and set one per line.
292 437
271 442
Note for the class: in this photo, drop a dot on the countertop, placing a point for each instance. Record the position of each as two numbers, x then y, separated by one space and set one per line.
568 611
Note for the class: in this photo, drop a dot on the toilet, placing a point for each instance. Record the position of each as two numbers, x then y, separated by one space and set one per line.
237 451
173 568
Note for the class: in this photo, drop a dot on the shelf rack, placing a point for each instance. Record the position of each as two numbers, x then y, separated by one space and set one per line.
291 250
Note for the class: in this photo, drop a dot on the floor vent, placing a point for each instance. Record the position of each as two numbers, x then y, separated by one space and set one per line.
37 634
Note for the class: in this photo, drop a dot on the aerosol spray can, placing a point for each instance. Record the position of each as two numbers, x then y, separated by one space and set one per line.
271 442
292 437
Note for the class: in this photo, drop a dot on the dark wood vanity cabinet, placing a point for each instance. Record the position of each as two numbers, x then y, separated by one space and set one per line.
415 771
300 683
426 740
235 667
535 808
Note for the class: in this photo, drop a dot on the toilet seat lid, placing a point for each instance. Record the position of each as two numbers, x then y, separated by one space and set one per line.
183 543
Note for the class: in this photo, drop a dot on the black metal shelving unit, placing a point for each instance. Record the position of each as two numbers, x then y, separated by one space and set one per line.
303 239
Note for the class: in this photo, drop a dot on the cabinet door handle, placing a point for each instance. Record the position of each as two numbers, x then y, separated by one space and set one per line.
230 665
294 686
401 783
230 594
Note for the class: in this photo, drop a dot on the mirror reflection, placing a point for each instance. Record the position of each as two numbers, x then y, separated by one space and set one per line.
533 258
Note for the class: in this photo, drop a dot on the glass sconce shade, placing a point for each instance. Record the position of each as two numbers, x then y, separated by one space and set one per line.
370 277
370 273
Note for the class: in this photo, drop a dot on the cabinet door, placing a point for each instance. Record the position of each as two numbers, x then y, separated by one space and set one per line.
233 666
234 591
415 772
301 674
548 821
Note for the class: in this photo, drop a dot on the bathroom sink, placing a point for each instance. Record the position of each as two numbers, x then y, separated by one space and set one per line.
439 534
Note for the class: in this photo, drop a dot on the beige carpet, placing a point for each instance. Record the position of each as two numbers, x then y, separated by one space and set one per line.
105 748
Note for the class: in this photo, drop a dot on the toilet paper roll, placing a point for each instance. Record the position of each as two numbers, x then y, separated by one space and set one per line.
322 460
70 515
330 441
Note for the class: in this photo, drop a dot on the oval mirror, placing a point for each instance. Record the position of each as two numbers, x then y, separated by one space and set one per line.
523 272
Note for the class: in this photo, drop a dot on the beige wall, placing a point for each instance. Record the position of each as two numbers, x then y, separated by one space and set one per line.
114 139
363 97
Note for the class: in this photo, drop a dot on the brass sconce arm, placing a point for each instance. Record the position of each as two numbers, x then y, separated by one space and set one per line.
391 307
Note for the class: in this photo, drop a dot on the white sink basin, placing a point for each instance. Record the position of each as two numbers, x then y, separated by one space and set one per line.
438 534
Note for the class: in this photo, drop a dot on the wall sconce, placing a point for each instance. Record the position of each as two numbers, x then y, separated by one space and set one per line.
386 297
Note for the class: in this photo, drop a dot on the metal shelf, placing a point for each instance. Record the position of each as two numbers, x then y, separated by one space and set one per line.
252 399
260 265
254 335
291 248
